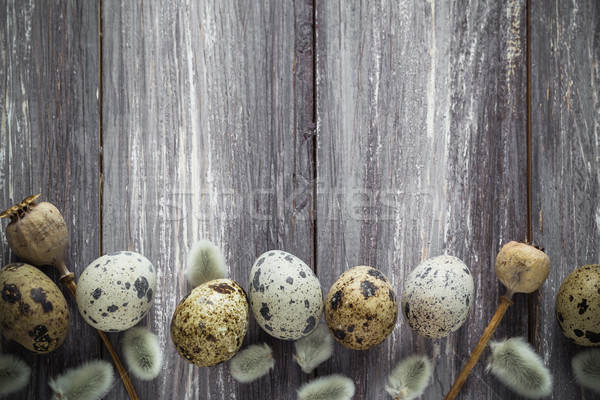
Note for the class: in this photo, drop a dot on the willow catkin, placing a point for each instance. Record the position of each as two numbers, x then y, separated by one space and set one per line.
409 379
313 349
205 262
519 367
14 374
252 363
332 387
586 368
142 354
89 381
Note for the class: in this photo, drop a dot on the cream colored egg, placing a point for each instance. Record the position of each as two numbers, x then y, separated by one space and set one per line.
578 305
361 308
438 296
285 295
33 310
116 291
209 325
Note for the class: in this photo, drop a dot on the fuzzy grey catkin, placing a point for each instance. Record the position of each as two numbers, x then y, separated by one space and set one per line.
409 379
586 368
205 262
332 387
142 354
519 367
89 381
253 362
14 374
314 348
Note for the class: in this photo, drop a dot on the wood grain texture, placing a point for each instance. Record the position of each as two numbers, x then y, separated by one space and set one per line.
208 134
421 134
566 127
49 145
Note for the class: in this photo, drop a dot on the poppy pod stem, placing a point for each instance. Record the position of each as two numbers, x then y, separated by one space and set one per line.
505 302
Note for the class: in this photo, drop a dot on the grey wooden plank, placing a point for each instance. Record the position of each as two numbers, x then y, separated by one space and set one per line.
49 145
421 151
208 134
566 158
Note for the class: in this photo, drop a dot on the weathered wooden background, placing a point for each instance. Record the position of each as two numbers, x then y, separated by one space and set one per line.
347 133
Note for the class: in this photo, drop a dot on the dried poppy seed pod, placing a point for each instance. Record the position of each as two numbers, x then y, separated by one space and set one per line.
37 233
521 267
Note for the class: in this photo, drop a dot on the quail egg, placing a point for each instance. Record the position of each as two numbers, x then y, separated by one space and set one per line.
361 308
209 325
578 305
438 296
285 295
33 310
116 291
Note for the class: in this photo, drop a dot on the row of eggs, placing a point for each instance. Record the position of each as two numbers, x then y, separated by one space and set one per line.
285 296
116 291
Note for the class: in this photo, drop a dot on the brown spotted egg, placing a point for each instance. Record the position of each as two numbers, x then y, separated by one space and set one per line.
361 308
578 305
33 310
285 295
438 296
209 325
116 291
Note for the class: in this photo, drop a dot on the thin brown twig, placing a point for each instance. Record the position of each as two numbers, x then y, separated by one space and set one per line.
505 302
67 280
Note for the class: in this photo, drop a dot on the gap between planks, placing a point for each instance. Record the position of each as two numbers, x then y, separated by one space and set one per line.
100 129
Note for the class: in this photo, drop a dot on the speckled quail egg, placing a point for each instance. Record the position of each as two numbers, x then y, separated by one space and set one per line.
578 305
285 295
116 290
361 308
438 296
33 310
209 325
